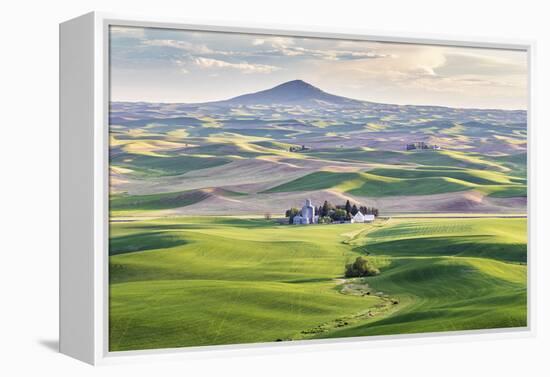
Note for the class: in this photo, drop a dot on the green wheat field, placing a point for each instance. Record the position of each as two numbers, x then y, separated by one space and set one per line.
201 281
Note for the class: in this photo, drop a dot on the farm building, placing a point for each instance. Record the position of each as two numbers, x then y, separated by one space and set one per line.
307 215
360 218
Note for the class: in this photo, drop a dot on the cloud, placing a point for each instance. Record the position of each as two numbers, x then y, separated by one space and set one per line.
304 48
181 45
127 32
208 63
270 47
183 66
468 62
333 55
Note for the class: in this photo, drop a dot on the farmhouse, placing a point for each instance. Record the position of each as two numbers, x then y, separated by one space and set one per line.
307 215
360 218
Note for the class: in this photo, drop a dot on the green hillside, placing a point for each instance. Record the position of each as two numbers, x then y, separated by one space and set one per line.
481 177
215 280
403 182
125 202
150 166
366 184
417 158
155 201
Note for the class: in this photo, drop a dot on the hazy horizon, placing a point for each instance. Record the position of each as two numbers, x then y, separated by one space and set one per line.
180 66
259 90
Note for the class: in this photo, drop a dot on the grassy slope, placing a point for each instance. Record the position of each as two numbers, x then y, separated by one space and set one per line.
502 239
228 281
151 166
516 162
120 202
155 201
200 281
390 182
179 313
448 294
481 177
366 184
478 290
425 158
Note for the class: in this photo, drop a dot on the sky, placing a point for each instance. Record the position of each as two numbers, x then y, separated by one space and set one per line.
185 66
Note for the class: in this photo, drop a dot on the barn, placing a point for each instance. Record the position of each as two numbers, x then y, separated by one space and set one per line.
360 218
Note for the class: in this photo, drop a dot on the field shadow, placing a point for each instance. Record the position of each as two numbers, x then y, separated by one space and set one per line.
144 241
50 344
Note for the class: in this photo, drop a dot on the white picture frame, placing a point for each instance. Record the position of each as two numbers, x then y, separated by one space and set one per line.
84 104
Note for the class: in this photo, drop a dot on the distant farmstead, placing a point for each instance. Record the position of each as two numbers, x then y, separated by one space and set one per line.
307 215
294 148
422 146
330 214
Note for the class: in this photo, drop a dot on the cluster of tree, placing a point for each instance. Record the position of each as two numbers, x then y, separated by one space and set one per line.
291 213
368 211
350 209
294 148
361 267
329 212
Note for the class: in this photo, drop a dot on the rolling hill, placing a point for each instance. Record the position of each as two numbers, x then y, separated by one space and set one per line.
194 281
201 253
404 182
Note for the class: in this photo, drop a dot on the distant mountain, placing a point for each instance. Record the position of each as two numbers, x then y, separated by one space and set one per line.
291 93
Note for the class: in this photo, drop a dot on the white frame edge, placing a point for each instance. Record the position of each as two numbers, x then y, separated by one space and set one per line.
84 294
77 276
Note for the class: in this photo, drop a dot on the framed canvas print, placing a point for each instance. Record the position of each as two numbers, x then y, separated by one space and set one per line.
227 187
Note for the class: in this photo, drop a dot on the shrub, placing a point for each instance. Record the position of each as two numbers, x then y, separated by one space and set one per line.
361 267
324 220
339 215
